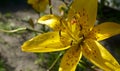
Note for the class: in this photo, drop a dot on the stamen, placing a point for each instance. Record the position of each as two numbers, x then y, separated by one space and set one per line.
83 37
60 33
71 42
81 27
81 40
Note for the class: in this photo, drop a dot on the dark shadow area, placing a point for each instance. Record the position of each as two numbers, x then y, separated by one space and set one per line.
13 5
106 13
113 44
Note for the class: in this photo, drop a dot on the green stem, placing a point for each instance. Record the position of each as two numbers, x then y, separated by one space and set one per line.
50 5
18 29
84 65
54 62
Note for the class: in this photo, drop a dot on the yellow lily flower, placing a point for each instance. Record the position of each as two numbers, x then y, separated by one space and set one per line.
38 5
78 34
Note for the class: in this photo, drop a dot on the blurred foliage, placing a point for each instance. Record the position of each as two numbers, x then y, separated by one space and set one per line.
49 60
2 66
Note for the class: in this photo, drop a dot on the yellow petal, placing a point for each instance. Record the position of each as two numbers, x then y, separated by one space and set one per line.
46 42
106 30
38 5
85 11
51 21
118 69
70 59
98 55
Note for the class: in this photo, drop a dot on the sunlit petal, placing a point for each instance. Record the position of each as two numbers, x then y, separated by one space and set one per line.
98 55
85 11
106 30
70 59
52 21
46 42
117 69
56 23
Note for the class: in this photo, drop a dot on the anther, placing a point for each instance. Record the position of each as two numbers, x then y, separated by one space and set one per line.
71 42
60 33
81 27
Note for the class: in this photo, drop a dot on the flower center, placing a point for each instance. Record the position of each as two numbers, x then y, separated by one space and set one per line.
79 26
76 29
79 23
